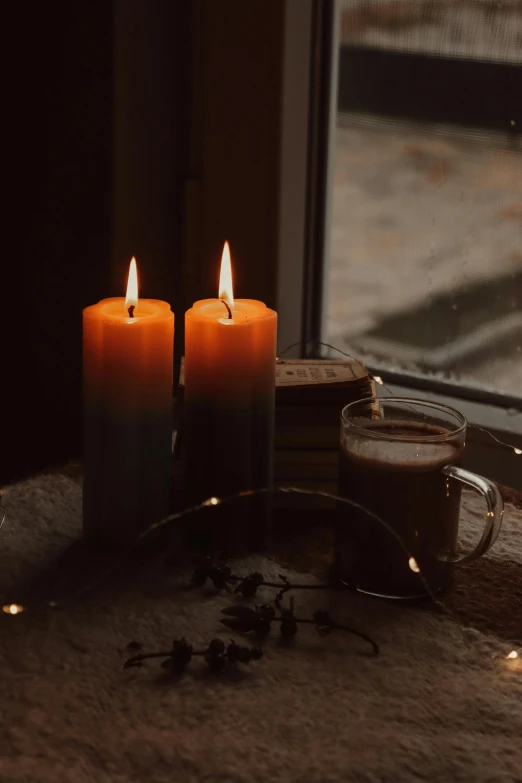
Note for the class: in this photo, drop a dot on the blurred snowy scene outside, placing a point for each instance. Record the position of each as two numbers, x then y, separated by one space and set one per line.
425 267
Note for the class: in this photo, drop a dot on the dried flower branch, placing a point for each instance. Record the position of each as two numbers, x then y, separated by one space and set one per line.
244 619
221 576
217 656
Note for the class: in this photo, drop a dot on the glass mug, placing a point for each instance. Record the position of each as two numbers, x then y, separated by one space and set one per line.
400 458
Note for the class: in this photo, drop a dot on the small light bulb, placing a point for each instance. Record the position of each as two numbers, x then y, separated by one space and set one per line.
512 655
378 379
212 502
517 451
413 565
12 609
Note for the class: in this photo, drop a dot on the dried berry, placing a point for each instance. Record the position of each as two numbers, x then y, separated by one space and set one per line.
226 570
262 627
322 617
216 647
216 663
265 615
180 655
266 612
219 576
248 586
236 653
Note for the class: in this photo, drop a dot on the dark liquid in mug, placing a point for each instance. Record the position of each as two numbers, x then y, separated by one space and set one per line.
402 482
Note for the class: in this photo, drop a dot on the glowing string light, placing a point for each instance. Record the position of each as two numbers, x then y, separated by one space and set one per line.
413 565
12 609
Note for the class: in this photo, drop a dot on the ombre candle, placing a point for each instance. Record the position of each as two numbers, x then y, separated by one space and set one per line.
230 353
128 346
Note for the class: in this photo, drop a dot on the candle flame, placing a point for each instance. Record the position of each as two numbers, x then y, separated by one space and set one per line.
132 286
225 277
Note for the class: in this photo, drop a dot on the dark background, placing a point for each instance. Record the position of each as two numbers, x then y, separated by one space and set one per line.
75 211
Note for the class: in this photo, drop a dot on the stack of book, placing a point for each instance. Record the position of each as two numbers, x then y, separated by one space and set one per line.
310 395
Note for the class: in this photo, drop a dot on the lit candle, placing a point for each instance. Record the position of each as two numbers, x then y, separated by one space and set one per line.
230 352
128 347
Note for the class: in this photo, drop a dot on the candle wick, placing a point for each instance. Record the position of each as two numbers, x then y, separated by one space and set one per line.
228 308
130 310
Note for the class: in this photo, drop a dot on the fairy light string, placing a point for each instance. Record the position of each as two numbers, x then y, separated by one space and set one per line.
213 502
16 609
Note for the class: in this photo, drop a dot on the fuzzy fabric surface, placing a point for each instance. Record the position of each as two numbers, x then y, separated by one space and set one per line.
440 703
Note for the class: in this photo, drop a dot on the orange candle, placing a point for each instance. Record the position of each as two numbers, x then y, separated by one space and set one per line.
230 352
128 348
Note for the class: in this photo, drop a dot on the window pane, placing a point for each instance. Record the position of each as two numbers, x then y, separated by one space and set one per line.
425 268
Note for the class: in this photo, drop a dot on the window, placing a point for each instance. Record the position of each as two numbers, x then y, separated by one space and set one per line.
423 270
425 266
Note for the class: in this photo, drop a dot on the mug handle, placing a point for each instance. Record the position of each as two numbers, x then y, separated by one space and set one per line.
495 506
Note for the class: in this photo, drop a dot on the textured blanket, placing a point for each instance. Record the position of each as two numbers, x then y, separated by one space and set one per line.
440 703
